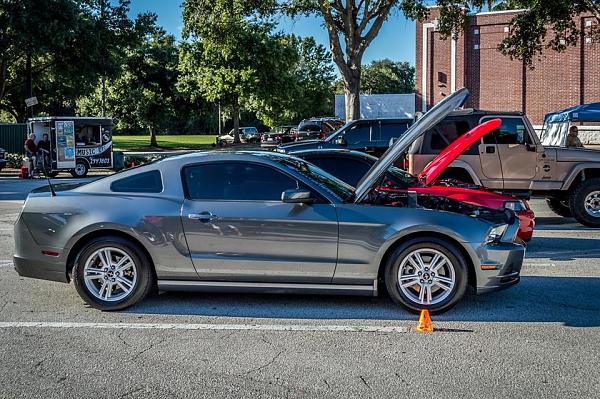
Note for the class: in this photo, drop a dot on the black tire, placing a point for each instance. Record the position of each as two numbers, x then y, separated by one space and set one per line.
577 202
560 207
456 260
81 169
142 286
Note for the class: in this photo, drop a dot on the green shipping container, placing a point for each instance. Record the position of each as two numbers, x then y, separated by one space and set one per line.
12 137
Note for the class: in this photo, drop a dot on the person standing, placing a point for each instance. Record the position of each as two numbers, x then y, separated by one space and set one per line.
30 151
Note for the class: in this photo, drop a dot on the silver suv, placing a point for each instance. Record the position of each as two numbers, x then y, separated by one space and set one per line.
513 160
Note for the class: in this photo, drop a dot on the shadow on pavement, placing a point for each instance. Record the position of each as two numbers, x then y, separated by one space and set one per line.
572 301
562 248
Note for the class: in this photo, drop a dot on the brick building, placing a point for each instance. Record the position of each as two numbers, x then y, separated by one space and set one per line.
559 80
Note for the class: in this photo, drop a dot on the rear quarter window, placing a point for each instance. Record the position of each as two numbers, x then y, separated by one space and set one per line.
147 182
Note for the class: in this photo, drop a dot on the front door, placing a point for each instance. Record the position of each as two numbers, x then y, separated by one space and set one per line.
516 151
238 229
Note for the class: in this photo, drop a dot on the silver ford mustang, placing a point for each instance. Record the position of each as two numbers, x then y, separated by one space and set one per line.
264 222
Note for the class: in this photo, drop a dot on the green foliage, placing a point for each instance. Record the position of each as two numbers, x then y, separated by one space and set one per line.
545 25
388 77
71 44
14 161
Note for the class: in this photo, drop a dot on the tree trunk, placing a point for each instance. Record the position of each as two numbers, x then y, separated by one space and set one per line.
153 142
103 100
236 120
29 83
352 96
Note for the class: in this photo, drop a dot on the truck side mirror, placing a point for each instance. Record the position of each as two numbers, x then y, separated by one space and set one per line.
341 141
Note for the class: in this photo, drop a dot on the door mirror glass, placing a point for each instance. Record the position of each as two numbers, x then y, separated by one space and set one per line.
297 196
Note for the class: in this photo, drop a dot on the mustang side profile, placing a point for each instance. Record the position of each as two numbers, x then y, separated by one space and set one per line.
264 222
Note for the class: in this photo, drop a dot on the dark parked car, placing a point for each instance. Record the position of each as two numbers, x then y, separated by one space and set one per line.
317 128
278 135
368 135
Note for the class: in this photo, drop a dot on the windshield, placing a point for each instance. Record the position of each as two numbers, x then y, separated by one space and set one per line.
326 181
340 130
401 178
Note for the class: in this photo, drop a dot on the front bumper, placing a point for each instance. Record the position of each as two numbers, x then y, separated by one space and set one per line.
499 266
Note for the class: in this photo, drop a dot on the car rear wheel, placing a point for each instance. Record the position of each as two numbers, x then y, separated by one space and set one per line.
111 273
560 207
426 273
585 202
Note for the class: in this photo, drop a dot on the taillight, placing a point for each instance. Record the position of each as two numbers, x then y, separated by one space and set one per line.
323 136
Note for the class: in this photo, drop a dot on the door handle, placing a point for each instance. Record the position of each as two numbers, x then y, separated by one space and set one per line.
490 149
202 216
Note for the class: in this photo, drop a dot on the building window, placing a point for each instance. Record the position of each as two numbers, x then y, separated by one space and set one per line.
476 31
476 47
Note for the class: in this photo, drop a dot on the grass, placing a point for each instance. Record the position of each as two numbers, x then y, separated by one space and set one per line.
175 142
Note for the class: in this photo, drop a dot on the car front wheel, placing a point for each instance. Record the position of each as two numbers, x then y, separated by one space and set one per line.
426 273
585 203
111 273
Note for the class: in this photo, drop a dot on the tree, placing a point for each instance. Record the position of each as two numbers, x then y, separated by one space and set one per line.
57 49
143 95
233 58
388 77
544 25
357 23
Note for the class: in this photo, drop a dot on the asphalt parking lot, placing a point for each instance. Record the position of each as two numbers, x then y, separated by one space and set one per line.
539 338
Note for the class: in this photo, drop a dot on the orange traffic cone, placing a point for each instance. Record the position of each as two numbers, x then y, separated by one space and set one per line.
425 324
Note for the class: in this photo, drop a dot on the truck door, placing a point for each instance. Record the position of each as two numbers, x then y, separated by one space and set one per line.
516 151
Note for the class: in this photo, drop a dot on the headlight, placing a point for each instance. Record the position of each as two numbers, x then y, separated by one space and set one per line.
515 206
495 234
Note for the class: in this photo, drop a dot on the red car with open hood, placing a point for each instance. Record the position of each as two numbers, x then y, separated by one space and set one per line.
350 167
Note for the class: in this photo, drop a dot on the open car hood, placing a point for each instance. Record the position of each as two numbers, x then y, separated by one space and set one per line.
426 122
438 165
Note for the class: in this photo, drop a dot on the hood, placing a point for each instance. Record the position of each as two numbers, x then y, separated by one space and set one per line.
438 165
426 122
300 145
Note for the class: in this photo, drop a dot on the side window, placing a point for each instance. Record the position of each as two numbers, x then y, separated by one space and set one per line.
358 133
235 181
512 131
446 132
147 182
392 129
346 169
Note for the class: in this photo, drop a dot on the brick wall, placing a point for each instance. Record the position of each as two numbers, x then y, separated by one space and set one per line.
559 80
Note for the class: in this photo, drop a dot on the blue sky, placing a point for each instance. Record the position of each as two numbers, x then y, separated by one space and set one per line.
396 39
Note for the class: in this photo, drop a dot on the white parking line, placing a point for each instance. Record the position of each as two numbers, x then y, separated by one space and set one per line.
180 326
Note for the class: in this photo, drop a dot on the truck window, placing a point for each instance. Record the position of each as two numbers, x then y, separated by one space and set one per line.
512 131
446 132
392 129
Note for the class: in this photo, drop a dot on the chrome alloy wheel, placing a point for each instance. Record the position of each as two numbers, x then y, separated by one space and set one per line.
592 204
426 276
110 274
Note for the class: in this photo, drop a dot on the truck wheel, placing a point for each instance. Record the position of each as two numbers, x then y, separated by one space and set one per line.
561 208
81 169
585 202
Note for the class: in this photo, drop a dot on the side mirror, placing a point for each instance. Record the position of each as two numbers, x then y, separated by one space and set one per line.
530 147
297 196
341 141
